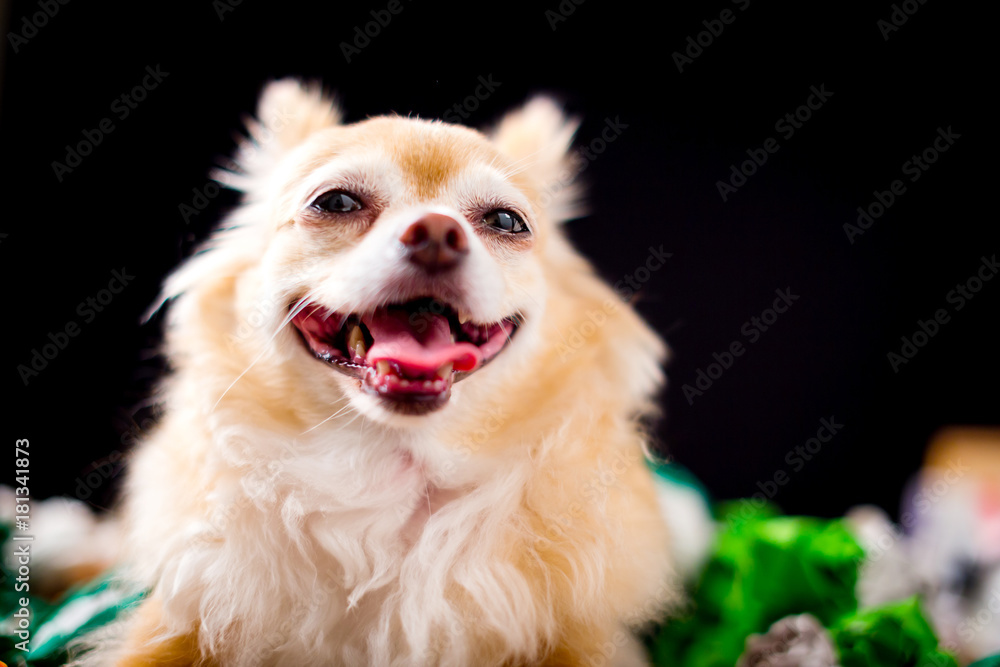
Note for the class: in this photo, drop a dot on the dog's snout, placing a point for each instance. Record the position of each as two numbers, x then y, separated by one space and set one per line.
435 242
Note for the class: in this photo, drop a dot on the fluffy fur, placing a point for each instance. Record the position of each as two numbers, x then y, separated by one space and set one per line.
280 515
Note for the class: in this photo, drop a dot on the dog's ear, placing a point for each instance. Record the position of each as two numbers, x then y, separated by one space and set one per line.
537 138
289 111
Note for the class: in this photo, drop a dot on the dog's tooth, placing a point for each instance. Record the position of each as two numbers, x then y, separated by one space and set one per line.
356 341
445 370
463 317
383 367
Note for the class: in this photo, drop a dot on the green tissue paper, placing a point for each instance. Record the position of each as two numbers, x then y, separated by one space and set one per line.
764 568
892 635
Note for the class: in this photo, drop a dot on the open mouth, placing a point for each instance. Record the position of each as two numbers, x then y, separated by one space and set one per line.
409 354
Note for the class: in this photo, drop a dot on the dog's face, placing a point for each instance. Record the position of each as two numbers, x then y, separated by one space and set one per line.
402 268
399 257
412 258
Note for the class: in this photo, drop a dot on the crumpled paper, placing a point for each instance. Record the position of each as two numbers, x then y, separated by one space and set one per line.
794 641
763 569
892 635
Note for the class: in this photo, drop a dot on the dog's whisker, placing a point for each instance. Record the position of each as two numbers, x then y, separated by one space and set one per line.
288 318
519 165
294 311
352 420
347 406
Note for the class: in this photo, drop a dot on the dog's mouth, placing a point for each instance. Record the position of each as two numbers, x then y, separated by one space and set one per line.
408 354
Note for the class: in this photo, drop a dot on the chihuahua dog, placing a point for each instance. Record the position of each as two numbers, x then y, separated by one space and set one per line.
404 419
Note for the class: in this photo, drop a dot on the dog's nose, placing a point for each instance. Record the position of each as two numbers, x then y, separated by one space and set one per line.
435 242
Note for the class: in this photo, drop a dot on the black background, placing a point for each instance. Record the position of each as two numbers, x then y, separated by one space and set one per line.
654 185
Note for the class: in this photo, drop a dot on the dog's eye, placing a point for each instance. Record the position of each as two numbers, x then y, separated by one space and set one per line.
505 221
336 201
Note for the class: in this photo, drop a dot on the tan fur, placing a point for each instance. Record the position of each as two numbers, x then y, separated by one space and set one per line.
145 646
534 468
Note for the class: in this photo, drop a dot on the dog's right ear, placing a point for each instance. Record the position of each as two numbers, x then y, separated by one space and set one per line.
289 111
537 137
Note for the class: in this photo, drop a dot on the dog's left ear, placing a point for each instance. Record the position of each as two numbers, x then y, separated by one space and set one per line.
289 111
537 138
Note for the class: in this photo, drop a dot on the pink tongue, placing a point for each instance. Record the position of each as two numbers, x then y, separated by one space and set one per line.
419 343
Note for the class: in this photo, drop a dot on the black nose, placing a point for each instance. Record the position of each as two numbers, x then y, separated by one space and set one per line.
435 242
